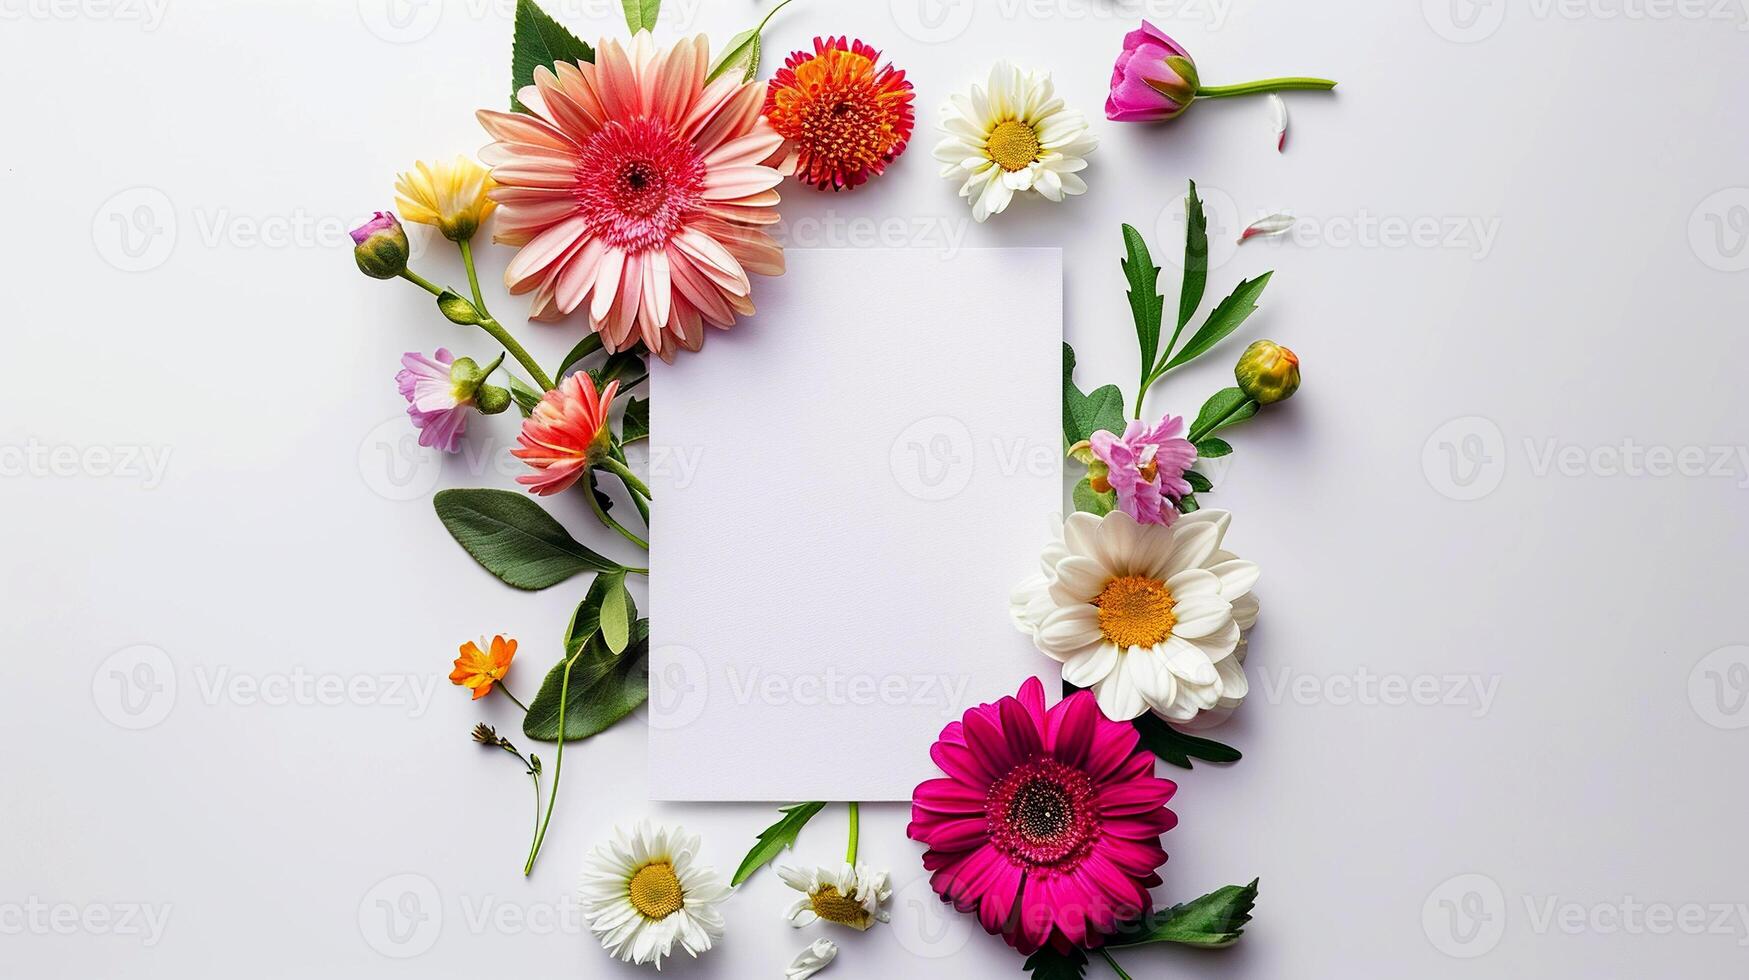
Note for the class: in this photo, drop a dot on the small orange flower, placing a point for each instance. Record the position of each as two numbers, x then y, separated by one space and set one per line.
480 670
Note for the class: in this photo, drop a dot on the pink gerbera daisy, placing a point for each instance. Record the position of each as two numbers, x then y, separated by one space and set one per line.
1146 467
1047 825
437 405
565 434
638 193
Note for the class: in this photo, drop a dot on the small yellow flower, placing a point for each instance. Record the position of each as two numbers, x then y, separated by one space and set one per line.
450 196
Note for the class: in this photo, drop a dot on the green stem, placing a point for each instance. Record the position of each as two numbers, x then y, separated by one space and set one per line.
512 697
761 28
855 829
473 277
625 474
492 327
602 516
1113 964
634 571
1266 85
1197 434
540 835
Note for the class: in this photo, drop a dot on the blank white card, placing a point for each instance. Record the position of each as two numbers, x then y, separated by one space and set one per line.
847 487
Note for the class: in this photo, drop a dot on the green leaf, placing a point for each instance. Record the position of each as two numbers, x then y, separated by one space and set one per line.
636 424
590 343
1187 504
526 395
456 309
619 367
1213 449
539 41
1146 303
1175 747
1048 964
1084 415
514 539
617 613
1197 481
1226 407
1196 260
1092 502
1226 318
604 689
773 839
742 50
1214 921
641 14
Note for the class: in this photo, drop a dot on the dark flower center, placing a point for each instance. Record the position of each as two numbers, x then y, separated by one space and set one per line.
1044 815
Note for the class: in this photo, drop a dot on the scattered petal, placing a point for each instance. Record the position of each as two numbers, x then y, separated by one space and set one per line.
1278 107
1273 225
812 960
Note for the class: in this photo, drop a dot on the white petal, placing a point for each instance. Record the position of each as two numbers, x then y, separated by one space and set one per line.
1201 616
1117 694
1245 611
1269 227
1236 576
811 960
1069 629
1234 686
1092 665
1079 579
1192 544
1187 662
1278 114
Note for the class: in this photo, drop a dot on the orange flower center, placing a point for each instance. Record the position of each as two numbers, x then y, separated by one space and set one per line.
843 115
828 904
1136 611
1013 145
655 891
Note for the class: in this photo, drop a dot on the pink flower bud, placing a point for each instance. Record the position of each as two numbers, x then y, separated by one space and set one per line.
1154 78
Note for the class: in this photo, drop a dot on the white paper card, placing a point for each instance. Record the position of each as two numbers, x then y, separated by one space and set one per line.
847 488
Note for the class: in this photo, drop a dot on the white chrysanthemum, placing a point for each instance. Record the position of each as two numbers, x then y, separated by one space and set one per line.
1149 617
849 896
1015 137
812 960
645 891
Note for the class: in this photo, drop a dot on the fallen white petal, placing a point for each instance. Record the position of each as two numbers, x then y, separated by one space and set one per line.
812 960
1275 224
1278 106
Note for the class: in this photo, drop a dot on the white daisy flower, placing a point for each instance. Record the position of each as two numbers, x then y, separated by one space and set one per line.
853 896
645 891
1013 138
1149 617
812 960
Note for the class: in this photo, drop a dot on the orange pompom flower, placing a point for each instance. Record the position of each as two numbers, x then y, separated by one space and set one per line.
845 117
478 669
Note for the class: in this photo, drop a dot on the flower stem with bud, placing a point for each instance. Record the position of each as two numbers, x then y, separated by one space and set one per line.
491 326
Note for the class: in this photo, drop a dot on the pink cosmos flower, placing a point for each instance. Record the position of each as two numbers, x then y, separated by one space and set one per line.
1154 78
566 434
1146 467
1047 825
638 193
433 401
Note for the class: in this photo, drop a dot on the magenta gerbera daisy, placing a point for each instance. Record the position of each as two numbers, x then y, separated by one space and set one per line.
1047 825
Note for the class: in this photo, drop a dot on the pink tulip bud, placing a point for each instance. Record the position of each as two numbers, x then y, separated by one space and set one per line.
1154 78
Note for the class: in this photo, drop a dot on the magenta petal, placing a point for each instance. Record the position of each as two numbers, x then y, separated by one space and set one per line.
989 746
1022 736
948 796
1073 722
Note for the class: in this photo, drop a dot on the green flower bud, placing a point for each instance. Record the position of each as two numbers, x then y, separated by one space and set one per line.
380 247
1268 372
491 399
468 381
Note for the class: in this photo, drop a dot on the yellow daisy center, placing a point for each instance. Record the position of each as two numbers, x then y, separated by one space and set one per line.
655 891
828 904
1013 145
1136 611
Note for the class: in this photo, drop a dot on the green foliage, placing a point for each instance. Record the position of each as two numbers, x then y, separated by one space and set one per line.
1214 921
604 686
1226 407
1227 317
773 839
636 424
1177 748
1084 415
1146 303
1093 502
539 41
1196 260
590 343
526 395
514 539
1048 964
1213 449
641 14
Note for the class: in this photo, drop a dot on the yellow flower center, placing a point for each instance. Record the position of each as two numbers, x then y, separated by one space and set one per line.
656 891
828 904
1013 145
1136 611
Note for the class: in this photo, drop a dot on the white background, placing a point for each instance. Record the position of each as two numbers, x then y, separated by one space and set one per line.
1591 155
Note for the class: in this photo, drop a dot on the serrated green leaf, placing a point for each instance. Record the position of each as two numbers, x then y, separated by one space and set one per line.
1198 482
604 688
1089 501
1226 407
1196 260
641 14
1177 748
617 613
539 41
514 539
1213 449
1214 921
1226 318
1048 964
1146 303
1084 415
636 423
773 839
